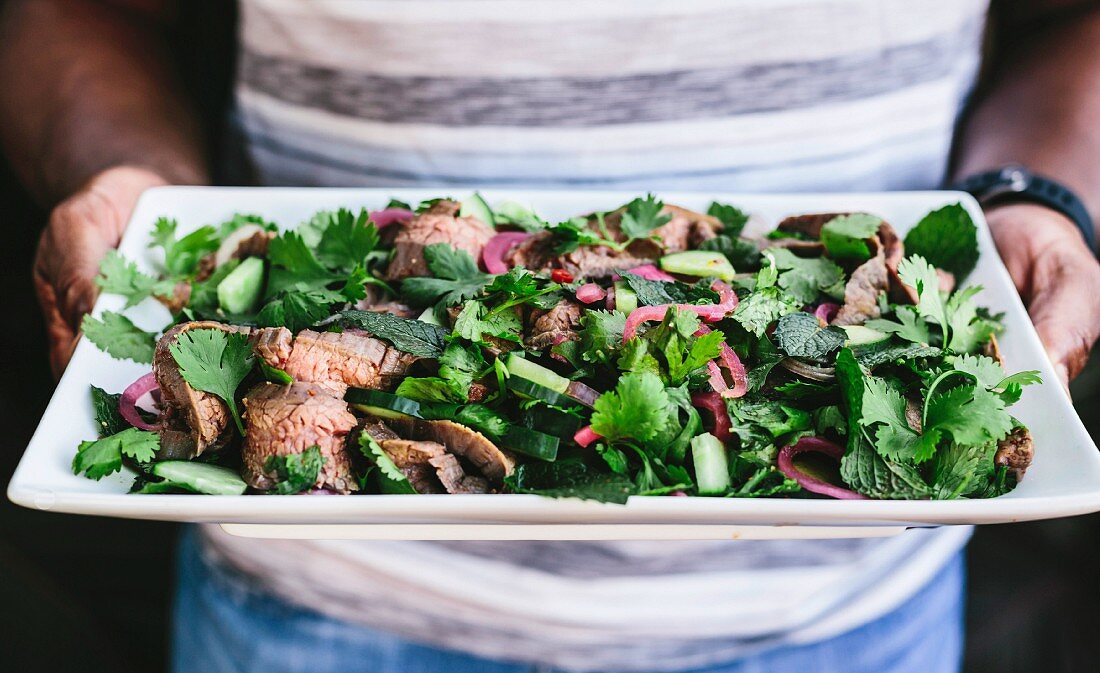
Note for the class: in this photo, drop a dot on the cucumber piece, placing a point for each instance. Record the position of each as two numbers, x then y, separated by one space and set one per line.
241 289
531 443
523 368
530 390
512 212
626 299
712 469
201 477
858 335
551 421
701 263
429 317
382 404
474 205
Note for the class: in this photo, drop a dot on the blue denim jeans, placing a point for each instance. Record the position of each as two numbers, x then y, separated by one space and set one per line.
224 624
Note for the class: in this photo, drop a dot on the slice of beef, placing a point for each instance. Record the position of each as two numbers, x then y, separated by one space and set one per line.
412 458
194 421
554 326
379 301
287 420
862 291
490 461
808 225
1016 451
335 360
440 224
454 479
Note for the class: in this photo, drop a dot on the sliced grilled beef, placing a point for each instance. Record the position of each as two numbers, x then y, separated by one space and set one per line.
427 464
378 301
454 479
1016 451
440 224
808 225
554 326
490 461
194 421
861 292
334 360
287 420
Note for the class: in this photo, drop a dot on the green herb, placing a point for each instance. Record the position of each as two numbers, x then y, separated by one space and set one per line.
947 238
476 321
733 219
119 337
801 335
105 410
806 278
760 309
347 240
457 278
182 256
642 216
459 365
601 335
638 408
216 362
657 293
391 480
742 254
295 472
96 459
298 310
845 237
117 275
917 273
909 325
410 336
865 471
570 479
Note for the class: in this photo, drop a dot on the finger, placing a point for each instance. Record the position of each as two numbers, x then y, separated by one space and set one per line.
1065 312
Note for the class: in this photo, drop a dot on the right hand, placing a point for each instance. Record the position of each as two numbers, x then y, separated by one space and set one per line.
80 232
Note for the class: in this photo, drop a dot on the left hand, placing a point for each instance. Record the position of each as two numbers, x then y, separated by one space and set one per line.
1057 276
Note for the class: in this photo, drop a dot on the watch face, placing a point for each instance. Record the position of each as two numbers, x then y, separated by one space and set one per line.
1013 179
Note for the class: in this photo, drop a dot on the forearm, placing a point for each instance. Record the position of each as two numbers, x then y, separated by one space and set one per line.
1041 109
89 86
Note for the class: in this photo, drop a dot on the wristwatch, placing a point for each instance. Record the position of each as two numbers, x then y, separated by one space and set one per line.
1016 184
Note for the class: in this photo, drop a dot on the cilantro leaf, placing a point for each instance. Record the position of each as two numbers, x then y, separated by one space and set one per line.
970 414
801 335
909 325
457 278
806 278
118 275
459 365
216 362
894 439
347 240
390 479
947 238
968 329
475 321
985 370
733 219
296 472
115 334
642 216
761 308
845 236
182 257
917 273
767 357
96 459
410 336
601 335
638 408
294 266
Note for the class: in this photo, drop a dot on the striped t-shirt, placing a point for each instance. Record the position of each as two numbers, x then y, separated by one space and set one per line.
719 95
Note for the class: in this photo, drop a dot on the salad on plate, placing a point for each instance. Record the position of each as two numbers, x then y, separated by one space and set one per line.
458 347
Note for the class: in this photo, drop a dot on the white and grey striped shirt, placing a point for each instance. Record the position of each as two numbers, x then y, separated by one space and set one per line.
729 95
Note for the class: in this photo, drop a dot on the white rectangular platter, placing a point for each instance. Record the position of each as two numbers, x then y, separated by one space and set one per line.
1064 479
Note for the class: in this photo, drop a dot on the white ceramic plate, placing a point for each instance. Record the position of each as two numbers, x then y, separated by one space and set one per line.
1064 479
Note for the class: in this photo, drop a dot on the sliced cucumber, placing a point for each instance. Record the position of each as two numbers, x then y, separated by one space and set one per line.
474 205
520 367
201 477
551 421
512 212
701 263
533 391
858 335
531 443
429 317
626 299
241 289
382 404
712 469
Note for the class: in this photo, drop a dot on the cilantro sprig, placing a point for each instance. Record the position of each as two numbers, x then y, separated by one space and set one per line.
216 362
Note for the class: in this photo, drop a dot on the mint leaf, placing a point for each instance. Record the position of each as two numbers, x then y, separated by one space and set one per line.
948 239
657 292
410 336
801 335
115 334
962 470
866 472
296 472
741 253
216 362
105 410
845 237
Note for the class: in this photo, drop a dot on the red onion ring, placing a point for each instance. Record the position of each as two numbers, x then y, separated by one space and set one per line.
727 359
651 272
589 293
826 312
708 312
810 483
714 403
582 393
492 256
586 436
387 216
127 404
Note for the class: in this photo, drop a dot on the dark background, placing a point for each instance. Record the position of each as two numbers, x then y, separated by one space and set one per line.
87 594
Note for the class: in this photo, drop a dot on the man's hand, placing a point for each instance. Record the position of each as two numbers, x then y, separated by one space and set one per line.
1057 276
80 231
